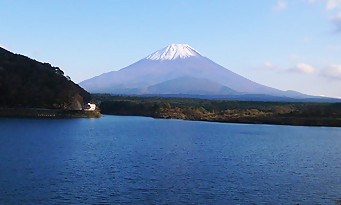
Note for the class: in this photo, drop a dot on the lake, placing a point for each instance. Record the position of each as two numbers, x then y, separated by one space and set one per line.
140 160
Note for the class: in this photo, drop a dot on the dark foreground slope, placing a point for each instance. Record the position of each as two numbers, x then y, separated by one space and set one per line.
26 83
253 112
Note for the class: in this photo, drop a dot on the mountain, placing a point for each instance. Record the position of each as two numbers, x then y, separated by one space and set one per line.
178 68
26 83
190 85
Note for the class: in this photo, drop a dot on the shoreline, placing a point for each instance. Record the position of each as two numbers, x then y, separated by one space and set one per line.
47 113
293 122
40 113
224 111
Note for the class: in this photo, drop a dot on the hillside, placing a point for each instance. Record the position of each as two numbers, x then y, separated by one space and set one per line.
27 83
190 85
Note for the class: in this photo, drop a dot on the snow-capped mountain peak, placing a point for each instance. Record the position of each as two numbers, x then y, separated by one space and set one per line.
174 51
179 69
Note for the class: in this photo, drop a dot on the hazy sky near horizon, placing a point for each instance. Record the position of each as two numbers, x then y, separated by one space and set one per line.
285 44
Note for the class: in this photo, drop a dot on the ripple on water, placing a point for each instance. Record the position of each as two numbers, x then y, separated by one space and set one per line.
150 161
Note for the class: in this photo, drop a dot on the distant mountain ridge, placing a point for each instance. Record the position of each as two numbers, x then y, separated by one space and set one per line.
163 72
190 85
27 83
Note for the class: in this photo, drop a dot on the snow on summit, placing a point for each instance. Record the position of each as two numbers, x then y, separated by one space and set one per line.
174 51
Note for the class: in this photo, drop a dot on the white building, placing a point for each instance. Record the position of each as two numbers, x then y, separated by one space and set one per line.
91 107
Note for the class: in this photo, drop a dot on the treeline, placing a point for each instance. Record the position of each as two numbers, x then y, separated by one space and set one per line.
129 108
25 82
292 113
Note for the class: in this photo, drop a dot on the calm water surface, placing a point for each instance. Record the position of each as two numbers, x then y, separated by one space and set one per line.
139 160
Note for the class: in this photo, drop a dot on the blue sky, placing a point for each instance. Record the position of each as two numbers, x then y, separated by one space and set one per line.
285 44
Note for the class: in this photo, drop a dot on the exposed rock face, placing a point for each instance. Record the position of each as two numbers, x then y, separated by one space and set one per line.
77 103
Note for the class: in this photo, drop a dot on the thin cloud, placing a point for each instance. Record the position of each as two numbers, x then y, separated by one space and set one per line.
329 72
336 20
333 71
312 1
334 47
280 5
294 57
270 66
333 4
304 68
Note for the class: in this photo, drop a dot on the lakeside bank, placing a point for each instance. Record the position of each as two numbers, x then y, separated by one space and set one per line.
47 113
250 112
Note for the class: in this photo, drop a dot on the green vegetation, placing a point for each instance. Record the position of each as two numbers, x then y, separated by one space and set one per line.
26 83
286 113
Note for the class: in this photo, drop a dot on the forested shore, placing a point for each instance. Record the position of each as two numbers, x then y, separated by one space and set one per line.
252 112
